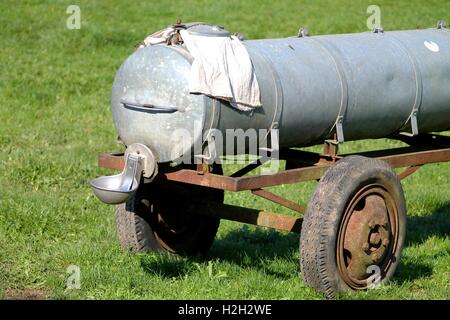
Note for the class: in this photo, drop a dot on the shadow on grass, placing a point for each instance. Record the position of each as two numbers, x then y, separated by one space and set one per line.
253 248
246 247
409 271
243 247
166 265
420 228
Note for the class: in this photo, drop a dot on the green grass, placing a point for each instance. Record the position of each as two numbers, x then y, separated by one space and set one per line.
54 119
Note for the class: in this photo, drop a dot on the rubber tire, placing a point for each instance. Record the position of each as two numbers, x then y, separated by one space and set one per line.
137 224
325 211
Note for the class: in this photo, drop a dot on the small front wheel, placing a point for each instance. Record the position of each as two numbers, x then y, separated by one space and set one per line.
160 218
354 227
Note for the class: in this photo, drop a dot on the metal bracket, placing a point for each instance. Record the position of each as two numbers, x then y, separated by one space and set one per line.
239 35
209 152
274 144
131 172
441 24
330 148
378 30
412 119
340 128
303 32
175 37
146 159
413 123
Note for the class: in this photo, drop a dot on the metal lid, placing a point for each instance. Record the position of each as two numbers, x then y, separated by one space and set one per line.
208 31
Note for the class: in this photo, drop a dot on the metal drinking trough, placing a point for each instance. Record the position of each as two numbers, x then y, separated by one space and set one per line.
314 90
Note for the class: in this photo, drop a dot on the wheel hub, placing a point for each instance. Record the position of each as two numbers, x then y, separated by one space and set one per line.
367 236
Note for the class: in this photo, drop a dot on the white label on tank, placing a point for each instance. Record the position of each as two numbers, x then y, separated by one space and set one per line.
432 46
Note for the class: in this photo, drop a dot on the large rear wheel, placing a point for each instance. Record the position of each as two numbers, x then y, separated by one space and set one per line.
354 227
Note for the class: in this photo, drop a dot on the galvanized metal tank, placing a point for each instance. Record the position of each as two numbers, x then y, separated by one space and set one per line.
365 85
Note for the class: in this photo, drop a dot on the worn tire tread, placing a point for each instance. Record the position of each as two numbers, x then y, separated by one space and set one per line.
321 218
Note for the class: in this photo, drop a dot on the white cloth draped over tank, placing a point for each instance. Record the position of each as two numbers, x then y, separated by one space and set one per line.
221 68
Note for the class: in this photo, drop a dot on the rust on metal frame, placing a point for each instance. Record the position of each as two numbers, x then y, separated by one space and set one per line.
331 147
113 160
308 166
412 156
209 180
250 167
279 200
250 216
417 158
408 171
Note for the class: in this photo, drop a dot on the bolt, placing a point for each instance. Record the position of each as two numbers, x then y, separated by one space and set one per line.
378 29
239 35
374 257
375 239
441 24
303 32
365 246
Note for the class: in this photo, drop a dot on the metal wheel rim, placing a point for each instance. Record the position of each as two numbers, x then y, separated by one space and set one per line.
389 257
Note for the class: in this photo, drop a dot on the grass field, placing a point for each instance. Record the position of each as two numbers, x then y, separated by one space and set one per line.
54 119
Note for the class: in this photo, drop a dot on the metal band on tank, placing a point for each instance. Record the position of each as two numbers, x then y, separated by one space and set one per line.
344 88
212 109
445 29
278 90
213 106
412 118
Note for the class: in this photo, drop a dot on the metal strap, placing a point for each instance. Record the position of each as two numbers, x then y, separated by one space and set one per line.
208 143
278 91
217 105
339 123
412 118
212 115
